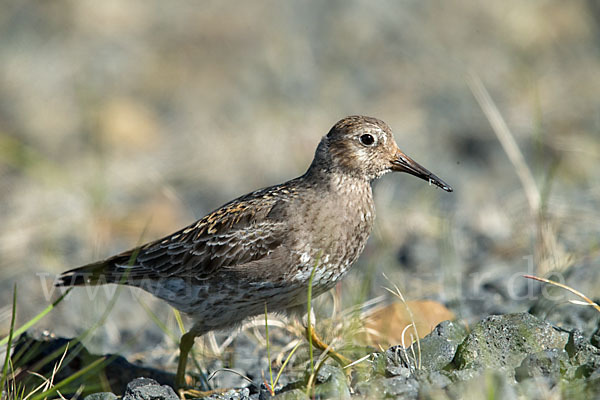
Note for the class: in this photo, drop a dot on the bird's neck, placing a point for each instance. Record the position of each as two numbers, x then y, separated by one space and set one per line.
344 187
348 185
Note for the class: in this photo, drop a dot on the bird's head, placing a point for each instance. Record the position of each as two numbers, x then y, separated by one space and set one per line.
364 147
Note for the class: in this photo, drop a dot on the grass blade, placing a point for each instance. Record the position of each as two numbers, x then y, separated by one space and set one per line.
10 338
309 307
35 319
162 326
288 358
66 381
268 347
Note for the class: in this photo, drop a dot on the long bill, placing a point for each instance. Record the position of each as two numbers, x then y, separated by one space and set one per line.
403 163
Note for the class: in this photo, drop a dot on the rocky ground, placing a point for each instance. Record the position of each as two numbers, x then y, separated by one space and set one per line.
507 356
551 351
121 122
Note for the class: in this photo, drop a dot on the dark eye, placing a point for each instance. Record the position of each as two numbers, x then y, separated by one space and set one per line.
367 139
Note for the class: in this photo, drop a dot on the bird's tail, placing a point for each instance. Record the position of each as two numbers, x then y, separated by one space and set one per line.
90 274
97 273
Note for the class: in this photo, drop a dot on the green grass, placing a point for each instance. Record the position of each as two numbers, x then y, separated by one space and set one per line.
9 339
26 389
308 312
268 349
35 319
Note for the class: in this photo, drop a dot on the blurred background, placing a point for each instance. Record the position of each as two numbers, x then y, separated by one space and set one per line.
121 122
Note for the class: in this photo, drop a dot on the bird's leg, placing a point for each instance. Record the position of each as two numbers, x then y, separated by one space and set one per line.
316 341
311 335
185 345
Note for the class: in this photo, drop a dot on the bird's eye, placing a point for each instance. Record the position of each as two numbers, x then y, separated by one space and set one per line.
367 139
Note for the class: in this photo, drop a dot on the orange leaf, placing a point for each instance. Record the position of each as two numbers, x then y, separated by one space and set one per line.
385 325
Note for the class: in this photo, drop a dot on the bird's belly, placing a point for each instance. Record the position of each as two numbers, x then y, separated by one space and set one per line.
219 305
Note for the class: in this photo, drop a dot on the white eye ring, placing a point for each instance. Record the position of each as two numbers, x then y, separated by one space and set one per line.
367 139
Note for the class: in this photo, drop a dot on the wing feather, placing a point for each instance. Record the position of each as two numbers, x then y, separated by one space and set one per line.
247 229
232 235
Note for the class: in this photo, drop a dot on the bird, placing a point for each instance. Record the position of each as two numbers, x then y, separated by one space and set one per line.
263 249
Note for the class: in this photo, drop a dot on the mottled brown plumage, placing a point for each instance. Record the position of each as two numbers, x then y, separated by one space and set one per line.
261 248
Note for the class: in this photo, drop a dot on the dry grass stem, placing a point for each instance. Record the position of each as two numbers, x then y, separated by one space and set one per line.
507 141
587 300
396 292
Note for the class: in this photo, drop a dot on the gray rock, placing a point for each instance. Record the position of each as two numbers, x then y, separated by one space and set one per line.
576 343
397 363
294 394
550 364
397 387
332 383
584 356
401 387
503 341
148 389
478 384
439 347
589 369
432 353
371 389
233 394
583 353
101 396
461 375
432 379
595 340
